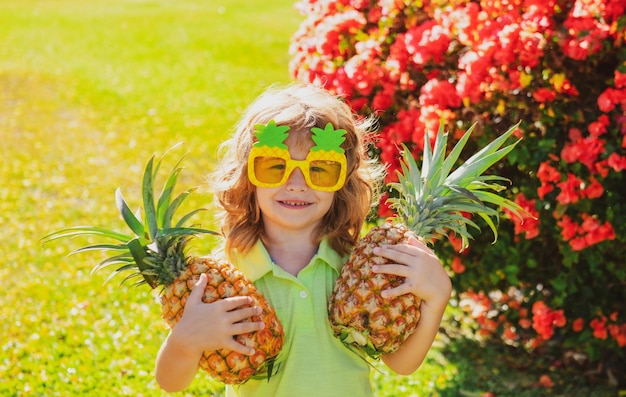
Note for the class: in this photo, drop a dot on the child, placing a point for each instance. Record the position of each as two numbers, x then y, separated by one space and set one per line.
289 226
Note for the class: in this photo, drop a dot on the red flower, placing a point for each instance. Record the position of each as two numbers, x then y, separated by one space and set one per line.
457 266
617 162
543 95
529 224
456 242
569 190
384 211
599 327
618 332
585 151
546 381
594 232
594 190
558 318
545 319
598 127
578 243
384 99
398 58
426 42
605 100
588 233
578 325
605 232
439 93
569 228
620 79
547 175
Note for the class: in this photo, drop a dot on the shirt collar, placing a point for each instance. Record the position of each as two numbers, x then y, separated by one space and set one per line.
257 262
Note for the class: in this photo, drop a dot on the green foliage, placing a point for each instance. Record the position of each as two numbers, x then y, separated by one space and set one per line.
482 367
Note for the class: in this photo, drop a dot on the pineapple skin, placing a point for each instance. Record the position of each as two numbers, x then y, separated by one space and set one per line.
224 281
358 314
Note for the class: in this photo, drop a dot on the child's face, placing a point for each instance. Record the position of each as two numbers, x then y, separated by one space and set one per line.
294 206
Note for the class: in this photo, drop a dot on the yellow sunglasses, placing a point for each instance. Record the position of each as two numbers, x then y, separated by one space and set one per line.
320 173
324 169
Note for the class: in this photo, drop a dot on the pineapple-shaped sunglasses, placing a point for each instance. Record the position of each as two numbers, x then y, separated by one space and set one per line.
270 164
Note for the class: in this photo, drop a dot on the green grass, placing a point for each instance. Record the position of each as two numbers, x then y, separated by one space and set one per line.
89 90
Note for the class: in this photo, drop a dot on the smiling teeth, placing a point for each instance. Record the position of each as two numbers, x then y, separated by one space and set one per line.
299 203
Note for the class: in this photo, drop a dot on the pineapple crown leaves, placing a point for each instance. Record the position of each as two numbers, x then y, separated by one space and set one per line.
271 135
156 247
435 200
328 139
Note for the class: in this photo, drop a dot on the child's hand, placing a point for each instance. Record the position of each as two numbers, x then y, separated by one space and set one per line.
211 326
424 274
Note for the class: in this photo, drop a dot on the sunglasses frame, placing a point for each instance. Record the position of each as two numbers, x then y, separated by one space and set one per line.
304 166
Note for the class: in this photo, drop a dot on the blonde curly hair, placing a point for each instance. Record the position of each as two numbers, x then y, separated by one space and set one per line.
301 107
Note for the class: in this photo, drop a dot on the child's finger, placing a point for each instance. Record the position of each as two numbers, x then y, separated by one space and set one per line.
198 290
391 293
233 303
239 348
242 314
392 268
245 327
418 242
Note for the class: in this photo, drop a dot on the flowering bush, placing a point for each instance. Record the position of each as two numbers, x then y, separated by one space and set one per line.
559 67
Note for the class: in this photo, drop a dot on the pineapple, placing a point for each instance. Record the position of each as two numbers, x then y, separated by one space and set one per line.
431 203
156 254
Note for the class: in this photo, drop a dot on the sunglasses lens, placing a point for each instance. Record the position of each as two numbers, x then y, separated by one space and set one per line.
324 173
269 169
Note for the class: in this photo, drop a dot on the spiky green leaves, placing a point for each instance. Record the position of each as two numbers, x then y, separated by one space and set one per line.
433 201
155 250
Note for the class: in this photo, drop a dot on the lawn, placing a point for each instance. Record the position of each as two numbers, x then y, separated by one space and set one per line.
88 92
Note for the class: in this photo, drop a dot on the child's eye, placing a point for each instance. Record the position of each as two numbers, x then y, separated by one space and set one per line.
325 166
271 163
277 167
318 169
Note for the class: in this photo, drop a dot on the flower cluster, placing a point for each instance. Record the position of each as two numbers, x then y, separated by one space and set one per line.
589 232
559 67
505 314
489 313
545 319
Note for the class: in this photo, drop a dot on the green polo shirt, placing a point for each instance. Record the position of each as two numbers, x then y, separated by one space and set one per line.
312 362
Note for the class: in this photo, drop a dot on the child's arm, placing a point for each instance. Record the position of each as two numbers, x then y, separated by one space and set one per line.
203 326
427 279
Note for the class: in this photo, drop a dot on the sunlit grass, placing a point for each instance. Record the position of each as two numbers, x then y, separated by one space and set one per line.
88 92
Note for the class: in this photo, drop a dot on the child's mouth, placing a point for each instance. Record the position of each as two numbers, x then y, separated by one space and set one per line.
294 203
